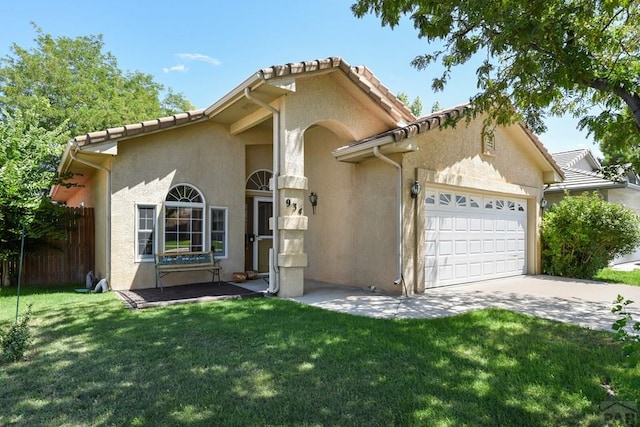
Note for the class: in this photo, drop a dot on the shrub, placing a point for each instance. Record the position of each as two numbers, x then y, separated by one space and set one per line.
14 342
627 331
582 234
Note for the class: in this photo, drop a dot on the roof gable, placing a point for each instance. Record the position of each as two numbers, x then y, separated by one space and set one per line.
582 172
424 124
360 76
582 159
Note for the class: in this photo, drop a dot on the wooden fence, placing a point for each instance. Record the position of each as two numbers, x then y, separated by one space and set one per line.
72 262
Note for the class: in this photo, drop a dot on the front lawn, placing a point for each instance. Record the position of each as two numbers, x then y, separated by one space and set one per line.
617 276
268 361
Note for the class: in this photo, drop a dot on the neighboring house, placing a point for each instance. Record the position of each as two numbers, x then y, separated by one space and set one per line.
584 174
236 177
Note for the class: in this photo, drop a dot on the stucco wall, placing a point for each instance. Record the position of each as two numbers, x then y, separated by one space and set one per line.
351 239
203 155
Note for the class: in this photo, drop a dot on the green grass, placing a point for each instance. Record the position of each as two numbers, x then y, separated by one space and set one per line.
617 276
268 361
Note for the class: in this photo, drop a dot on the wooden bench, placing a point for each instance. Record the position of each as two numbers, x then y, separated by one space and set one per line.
172 262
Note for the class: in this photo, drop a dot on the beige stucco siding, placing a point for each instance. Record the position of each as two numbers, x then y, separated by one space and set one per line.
327 101
351 239
323 114
146 168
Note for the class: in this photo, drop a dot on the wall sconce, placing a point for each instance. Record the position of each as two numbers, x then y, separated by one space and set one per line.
543 203
313 198
416 188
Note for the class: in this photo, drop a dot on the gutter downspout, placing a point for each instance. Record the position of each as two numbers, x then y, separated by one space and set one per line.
72 153
400 235
274 269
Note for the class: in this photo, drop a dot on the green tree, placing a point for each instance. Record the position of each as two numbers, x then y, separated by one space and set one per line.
582 234
29 156
538 58
415 106
82 85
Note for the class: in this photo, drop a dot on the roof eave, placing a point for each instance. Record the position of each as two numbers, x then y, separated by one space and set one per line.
360 152
559 188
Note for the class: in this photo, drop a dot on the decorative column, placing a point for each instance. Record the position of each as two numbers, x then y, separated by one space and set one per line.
292 220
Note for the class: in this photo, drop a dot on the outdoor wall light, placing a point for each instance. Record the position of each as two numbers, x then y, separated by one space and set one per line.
415 189
543 203
313 199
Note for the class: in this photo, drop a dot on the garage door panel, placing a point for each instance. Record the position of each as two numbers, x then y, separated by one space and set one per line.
461 247
475 247
470 237
445 248
488 267
475 269
445 224
461 270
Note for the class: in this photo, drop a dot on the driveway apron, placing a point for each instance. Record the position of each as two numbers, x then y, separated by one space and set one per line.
584 303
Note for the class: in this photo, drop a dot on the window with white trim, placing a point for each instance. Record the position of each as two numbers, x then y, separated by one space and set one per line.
184 220
219 232
145 232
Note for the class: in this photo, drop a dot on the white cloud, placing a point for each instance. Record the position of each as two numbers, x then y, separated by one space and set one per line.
179 67
198 57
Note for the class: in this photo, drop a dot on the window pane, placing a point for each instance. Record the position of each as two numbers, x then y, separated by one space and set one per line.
183 229
265 212
145 232
218 232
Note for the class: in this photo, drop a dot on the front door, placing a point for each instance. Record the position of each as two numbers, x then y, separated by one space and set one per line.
262 242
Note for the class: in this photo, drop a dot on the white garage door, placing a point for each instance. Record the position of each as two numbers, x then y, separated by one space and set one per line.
471 237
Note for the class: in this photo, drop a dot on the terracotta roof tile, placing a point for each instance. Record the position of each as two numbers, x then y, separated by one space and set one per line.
437 119
360 75
423 124
139 128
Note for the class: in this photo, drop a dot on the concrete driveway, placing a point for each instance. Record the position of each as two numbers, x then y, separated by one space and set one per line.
584 303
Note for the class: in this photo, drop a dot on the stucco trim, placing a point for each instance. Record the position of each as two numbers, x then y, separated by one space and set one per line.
434 178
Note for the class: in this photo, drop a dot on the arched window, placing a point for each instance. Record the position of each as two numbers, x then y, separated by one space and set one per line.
184 219
259 180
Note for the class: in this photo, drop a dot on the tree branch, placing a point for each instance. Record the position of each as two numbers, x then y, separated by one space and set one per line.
631 99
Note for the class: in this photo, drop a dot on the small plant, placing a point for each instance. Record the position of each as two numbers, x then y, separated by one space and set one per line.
14 342
627 330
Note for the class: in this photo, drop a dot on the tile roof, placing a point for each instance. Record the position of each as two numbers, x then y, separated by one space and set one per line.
148 126
421 125
360 75
436 119
579 178
570 158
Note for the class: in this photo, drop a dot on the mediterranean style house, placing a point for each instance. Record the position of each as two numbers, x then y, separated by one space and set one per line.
314 170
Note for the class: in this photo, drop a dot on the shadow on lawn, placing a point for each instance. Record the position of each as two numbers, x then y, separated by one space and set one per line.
269 361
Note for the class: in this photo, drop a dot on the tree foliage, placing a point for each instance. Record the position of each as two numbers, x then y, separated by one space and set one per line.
582 234
538 57
415 106
81 84
29 156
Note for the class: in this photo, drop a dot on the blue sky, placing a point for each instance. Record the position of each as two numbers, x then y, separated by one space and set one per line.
204 49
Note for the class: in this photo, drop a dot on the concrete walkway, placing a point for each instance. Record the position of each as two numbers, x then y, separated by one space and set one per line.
584 303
